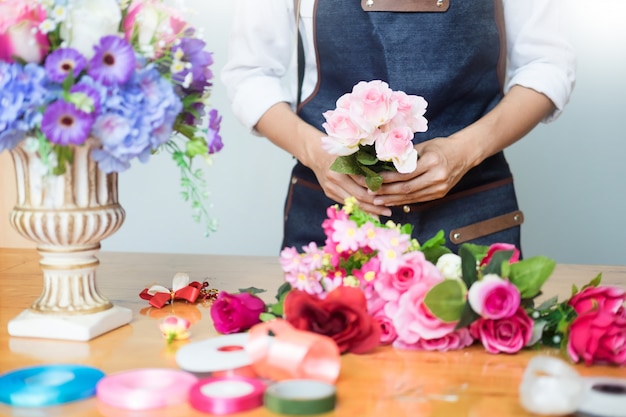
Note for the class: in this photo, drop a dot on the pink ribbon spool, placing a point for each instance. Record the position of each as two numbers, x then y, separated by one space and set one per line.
226 395
279 351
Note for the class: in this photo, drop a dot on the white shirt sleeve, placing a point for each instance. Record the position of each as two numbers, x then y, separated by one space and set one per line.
540 55
261 67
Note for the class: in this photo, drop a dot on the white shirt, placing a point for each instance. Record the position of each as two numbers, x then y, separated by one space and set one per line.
261 67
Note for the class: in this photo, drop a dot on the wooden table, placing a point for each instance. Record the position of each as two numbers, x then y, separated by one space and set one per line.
386 382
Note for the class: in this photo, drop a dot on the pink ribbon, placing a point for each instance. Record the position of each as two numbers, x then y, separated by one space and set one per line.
278 351
226 395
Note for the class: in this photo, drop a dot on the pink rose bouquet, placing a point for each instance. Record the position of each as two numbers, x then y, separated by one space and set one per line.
129 77
421 296
372 129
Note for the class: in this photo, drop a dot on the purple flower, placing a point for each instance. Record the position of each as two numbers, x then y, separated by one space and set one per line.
200 60
214 140
64 124
62 62
113 62
88 92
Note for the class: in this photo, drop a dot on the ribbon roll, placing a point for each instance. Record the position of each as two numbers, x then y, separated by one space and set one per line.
550 386
226 395
145 389
604 397
42 386
279 351
218 356
300 397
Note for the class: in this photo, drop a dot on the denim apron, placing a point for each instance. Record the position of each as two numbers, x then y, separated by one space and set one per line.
453 59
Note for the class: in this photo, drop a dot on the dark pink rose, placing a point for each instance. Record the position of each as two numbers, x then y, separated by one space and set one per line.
232 313
598 336
498 247
603 297
388 330
507 335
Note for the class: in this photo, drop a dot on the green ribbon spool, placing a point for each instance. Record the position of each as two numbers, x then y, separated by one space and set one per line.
300 397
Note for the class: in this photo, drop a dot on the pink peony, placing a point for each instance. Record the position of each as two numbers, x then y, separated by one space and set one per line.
493 297
232 313
19 37
498 247
604 297
598 336
452 341
413 320
508 335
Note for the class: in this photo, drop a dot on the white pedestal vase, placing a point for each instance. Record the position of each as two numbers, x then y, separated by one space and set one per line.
67 216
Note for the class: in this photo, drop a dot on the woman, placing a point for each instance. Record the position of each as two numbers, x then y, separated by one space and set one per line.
490 71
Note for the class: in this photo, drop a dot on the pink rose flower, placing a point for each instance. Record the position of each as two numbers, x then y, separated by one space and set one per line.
413 320
598 336
498 247
396 146
452 341
493 297
19 36
412 268
411 110
370 104
603 297
388 330
508 335
232 313
344 135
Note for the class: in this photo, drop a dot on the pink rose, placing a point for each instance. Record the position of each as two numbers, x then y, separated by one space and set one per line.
452 341
493 297
598 336
413 320
232 313
19 36
370 104
411 110
507 335
396 146
344 135
603 297
388 330
498 247
413 267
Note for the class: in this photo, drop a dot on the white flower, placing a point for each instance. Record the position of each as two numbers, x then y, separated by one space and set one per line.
89 20
450 266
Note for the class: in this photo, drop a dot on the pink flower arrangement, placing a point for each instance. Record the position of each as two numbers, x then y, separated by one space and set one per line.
372 129
424 297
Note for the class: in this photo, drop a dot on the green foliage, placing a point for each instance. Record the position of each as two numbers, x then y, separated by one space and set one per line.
446 300
530 274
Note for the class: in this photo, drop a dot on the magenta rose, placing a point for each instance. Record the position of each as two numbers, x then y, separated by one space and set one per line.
508 335
598 336
342 316
452 341
498 247
603 297
232 313
493 297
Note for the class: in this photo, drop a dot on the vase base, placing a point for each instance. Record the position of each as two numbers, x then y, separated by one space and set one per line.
78 327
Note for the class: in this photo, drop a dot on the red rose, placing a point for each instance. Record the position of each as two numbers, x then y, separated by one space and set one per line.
603 297
498 247
342 316
598 335
232 313
508 335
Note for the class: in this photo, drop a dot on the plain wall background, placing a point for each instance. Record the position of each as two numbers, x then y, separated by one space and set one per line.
570 174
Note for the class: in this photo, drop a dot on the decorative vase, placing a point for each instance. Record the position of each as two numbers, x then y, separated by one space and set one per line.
67 216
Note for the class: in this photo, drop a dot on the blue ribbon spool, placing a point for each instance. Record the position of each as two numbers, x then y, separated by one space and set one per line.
42 386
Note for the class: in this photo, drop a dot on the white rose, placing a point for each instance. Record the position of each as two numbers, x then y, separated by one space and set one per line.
450 266
89 20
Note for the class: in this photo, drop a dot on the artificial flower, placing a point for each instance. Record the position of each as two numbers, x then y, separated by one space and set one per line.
598 336
371 130
450 266
174 328
506 335
497 247
606 298
342 316
232 313
136 73
493 297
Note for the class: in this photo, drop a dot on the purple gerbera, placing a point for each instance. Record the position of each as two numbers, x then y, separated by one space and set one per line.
64 124
62 62
113 62
214 140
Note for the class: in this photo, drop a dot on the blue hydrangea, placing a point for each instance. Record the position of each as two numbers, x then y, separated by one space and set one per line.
23 92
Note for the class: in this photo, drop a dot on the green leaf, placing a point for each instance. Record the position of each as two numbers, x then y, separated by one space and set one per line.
468 265
497 259
252 290
468 316
479 251
594 282
266 317
530 274
346 165
196 147
549 303
374 181
366 158
446 300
